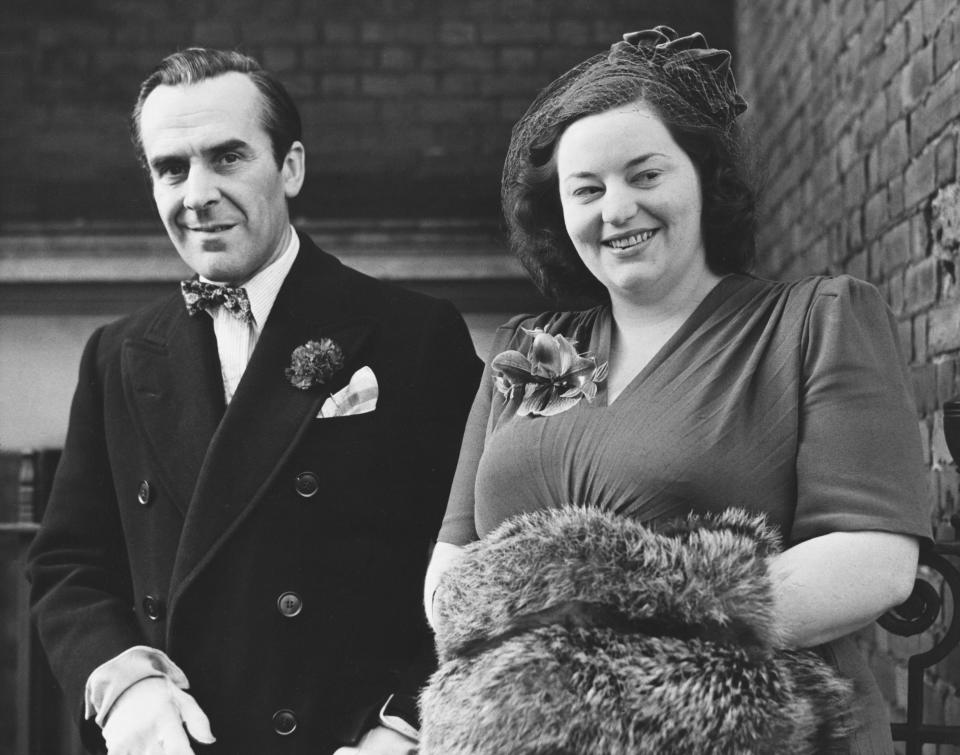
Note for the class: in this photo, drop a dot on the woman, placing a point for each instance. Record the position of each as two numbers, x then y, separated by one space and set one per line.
713 388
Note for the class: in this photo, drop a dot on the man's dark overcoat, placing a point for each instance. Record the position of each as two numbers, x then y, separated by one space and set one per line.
177 524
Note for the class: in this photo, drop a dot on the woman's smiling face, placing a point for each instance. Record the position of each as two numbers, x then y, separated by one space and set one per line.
632 204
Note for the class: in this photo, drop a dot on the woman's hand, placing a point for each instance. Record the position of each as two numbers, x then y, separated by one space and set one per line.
832 585
444 556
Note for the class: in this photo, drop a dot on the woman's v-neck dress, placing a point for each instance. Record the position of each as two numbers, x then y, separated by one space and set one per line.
787 398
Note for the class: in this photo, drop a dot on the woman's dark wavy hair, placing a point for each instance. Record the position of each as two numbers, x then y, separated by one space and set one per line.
530 192
278 114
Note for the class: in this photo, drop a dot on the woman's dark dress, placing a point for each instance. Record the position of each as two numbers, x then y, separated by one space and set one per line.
786 398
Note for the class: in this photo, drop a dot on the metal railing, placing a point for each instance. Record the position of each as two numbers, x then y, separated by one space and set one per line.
936 577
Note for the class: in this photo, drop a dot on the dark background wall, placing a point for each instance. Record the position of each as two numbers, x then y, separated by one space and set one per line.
855 111
407 104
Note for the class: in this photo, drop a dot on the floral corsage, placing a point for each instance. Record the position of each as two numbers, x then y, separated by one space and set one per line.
314 363
552 377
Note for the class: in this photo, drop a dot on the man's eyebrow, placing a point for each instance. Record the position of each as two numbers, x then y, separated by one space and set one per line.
230 145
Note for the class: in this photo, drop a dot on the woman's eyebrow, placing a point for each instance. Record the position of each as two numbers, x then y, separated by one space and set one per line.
631 164
643 158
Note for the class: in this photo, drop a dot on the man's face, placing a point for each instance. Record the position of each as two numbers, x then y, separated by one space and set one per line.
218 189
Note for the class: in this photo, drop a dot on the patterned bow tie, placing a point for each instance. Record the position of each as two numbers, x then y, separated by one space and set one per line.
198 296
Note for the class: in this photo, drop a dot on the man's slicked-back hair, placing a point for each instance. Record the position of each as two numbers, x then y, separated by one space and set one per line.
279 114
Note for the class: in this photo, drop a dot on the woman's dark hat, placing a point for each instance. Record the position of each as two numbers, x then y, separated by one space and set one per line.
690 59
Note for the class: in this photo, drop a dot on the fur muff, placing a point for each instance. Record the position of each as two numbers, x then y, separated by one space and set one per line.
577 632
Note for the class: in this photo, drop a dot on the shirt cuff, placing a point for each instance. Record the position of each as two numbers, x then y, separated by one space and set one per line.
111 679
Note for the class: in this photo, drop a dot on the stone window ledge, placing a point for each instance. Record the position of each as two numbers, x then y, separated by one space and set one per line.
422 250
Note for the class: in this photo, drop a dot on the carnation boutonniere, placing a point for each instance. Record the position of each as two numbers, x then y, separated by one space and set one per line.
552 376
314 363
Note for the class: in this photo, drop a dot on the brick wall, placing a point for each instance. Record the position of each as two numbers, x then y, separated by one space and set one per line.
407 103
855 107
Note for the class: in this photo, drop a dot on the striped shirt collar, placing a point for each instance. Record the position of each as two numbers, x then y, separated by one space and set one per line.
262 288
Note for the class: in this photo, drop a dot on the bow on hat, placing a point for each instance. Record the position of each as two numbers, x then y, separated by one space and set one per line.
688 56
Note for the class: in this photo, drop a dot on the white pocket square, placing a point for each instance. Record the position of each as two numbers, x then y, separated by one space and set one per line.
359 396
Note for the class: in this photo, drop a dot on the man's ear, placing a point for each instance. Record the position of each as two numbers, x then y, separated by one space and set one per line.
294 169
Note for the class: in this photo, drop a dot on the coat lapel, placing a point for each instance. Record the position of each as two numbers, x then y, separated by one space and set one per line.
268 415
172 384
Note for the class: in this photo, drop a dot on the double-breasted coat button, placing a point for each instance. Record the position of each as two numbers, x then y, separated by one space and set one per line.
289 604
284 722
153 607
143 492
307 484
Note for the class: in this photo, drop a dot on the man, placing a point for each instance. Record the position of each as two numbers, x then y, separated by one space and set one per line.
255 532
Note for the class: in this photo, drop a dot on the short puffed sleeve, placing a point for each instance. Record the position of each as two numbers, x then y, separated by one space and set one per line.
859 461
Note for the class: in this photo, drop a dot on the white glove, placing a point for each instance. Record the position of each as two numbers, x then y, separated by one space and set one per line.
153 717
